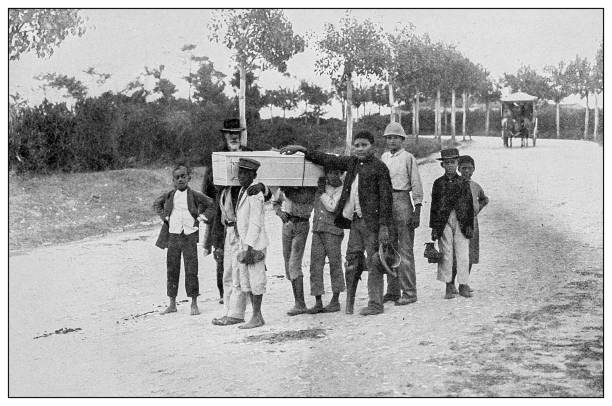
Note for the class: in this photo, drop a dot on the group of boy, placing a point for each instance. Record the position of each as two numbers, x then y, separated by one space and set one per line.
379 201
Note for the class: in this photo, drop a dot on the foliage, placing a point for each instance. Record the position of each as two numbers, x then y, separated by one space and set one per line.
579 76
208 84
41 30
558 83
261 38
527 80
354 48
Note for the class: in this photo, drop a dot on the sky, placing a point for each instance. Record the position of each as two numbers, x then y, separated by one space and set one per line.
123 42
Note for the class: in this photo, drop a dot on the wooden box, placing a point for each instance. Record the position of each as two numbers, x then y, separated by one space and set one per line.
275 169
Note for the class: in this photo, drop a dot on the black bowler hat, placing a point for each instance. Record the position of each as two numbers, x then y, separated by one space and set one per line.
231 125
449 153
248 163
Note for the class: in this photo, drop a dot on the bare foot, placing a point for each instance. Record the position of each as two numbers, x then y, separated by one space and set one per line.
169 309
194 310
253 323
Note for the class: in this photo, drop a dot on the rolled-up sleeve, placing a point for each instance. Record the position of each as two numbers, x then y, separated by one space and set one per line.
415 181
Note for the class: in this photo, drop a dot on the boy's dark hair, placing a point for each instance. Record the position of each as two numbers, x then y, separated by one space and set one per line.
364 135
466 159
181 164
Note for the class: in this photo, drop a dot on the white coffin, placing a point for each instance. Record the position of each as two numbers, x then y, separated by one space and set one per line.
275 169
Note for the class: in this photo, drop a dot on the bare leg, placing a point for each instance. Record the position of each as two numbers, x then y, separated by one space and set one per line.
171 307
194 306
257 319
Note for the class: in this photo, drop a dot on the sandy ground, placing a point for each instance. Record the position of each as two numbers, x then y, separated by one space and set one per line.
533 328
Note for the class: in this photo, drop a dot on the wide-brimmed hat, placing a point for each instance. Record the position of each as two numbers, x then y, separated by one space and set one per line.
394 129
448 153
231 125
248 163
388 258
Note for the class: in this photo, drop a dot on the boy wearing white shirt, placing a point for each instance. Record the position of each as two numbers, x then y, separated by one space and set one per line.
181 210
406 181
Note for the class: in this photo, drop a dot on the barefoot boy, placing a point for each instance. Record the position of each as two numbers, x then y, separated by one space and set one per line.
365 206
480 200
452 222
253 240
181 209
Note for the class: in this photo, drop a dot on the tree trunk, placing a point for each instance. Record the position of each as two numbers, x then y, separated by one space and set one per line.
413 118
596 122
437 113
586 118
242 104
487 118
464 113
453 131
418 107
343 110
557 121
284 115
391 101
349 116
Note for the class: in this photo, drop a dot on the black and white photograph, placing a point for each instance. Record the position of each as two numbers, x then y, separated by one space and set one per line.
290 202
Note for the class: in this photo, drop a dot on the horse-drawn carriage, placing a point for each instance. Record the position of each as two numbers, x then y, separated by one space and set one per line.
519 118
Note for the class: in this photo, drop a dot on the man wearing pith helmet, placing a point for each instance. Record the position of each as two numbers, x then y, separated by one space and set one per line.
407 200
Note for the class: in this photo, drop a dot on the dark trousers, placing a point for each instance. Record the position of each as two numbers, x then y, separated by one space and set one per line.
361 239
220 275
187 245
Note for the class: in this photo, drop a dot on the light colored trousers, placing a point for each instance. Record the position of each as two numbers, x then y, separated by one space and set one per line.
234 299
453 242
405 282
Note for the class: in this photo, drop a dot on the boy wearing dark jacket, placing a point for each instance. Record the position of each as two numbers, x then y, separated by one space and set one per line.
452 222
181 210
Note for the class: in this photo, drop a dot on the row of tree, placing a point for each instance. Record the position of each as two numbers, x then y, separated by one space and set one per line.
406 69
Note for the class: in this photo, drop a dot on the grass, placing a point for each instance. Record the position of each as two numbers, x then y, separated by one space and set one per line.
50 209
63 207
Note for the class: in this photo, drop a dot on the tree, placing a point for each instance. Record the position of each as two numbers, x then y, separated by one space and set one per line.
348 49
285 99
378 95
41 30
254 99
597 81
72 86
559 87
488 91
207 82
260 38
580 81
315 96
187 49
529 81
162 85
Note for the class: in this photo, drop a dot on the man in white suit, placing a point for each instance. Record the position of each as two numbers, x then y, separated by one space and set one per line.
250 261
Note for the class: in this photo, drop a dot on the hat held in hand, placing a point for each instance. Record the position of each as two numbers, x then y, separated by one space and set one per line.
388 259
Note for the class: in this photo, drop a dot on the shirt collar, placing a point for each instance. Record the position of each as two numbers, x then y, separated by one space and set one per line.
399 151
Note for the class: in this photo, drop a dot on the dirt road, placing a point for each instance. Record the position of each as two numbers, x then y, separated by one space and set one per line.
533 328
